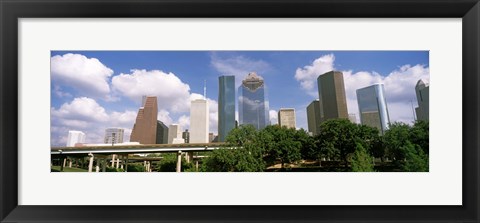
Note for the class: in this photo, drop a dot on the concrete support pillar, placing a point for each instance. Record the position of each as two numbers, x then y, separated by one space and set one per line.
196 165
70 163
121 166
97 169
64 161
113 160
90 164
179 161
118 162
126 163
189 156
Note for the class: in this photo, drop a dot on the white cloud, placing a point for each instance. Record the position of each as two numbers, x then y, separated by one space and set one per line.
86 115
273 117
171 92
307 76
84 109
184 121
238 66
164 116
87 75
399 89
399 85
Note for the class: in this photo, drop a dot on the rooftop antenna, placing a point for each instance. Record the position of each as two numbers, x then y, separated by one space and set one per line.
205 90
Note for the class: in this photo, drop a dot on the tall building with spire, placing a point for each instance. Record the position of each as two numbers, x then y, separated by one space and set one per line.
332 97
253 105
145 128
372 106
226 106
422 92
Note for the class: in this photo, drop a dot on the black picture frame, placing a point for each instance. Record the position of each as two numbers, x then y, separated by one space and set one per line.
11 11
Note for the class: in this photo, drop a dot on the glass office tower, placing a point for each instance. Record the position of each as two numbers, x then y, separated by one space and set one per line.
372 106
226 106
422 111
253 108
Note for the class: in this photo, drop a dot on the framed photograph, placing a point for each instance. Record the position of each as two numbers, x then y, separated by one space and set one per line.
267 111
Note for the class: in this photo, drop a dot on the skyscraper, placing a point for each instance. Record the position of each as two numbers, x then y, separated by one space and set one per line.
113 135
331 92
186 136
75 137
421 89
253 108
174 132
286 117
372 106
313 117
199 121
226 106
162 133
145 128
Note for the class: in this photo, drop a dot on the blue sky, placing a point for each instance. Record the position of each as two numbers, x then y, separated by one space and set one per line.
93 90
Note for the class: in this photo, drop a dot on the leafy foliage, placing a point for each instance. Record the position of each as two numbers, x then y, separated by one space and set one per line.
243 155
282 145
361 160
169 163
338 138
395 138
415 158
135 168
419 135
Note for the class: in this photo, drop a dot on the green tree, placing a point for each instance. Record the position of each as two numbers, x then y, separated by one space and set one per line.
361 160
308 144
169 163
135 168
338 138
283 145
415 158
395 138
419 135
243 152
232 160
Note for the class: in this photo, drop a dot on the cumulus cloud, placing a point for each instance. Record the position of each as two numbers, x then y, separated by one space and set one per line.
86 75
171 92
399 89
238 66
86 115
307 76
164 116
399 85
83 109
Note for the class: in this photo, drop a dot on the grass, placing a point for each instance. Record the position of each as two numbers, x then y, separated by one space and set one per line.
67 169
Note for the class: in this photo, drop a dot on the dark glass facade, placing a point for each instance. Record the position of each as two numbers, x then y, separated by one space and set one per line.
226 106
372 106
162 133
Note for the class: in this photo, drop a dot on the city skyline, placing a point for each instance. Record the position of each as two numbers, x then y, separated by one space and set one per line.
94 90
